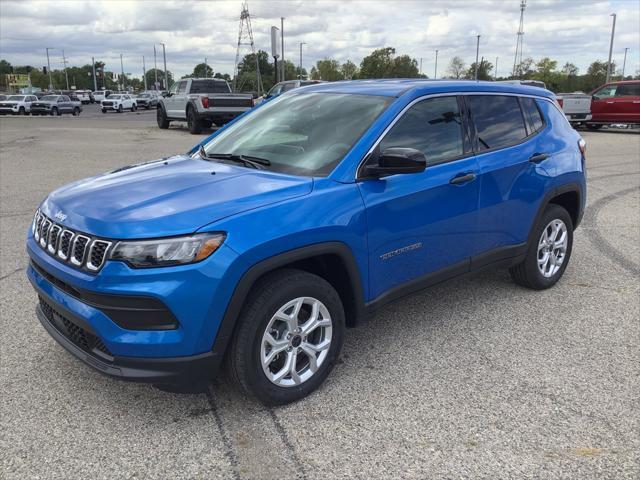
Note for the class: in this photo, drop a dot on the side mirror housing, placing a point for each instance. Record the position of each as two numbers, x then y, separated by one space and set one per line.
397 160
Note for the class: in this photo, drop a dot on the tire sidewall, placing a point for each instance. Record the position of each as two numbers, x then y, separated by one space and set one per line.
260 385
552 212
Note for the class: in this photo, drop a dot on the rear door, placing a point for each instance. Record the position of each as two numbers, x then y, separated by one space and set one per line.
423 223
510 156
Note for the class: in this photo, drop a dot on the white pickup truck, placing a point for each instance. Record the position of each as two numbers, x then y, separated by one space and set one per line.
576 107
201 102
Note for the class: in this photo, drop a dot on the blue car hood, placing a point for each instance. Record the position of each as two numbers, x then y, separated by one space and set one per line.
174 196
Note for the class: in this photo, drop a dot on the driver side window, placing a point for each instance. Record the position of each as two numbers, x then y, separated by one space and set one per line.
605 92
433 126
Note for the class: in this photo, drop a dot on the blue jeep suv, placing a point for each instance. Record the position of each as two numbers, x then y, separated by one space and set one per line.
257 248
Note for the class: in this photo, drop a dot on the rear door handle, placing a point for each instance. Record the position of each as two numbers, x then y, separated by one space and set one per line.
538 157
467 177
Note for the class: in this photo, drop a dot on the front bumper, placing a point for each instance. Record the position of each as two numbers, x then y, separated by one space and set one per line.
78 339
9 110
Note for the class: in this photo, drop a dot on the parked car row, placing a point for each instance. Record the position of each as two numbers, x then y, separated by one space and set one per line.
56 105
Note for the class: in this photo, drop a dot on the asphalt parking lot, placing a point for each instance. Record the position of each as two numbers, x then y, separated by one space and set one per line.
476 378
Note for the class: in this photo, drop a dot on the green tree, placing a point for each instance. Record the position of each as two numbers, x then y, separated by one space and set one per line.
224 76
349 70
456 68
327 69
596 75
484 71
151 78
570 70
202 70
378 64
247 76
524 69
405 67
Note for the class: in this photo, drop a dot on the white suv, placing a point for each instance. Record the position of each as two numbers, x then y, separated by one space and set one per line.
119 102
17 104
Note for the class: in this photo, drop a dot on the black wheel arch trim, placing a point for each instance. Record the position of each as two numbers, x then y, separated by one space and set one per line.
281 260
566 188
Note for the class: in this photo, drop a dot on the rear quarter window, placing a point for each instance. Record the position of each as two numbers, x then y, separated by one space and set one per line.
628 90
532 114
498 120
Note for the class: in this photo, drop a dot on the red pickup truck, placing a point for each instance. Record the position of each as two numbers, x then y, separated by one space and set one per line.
615 102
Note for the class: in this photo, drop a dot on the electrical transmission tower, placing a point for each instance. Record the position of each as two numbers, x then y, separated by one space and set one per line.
245 37
517 61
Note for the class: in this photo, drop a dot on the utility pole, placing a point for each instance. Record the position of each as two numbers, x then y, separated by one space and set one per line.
613 31
155 67
300 70
420 65
477 52
93 67
64 61
435 70
624 63
282 48
122 71
144 74
49 70
166 74
495 72
206 73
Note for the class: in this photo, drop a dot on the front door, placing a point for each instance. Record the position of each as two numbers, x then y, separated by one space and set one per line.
423 223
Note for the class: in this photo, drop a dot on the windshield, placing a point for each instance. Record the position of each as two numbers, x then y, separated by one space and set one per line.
144 95
16 97
50 98
209 86
304 134
114 97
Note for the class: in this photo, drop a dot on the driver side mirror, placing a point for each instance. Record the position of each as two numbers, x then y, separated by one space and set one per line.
397 160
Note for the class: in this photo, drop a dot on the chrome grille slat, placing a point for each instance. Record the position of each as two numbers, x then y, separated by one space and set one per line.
68 246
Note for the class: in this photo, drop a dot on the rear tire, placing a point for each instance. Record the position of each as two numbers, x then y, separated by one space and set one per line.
134 107
193 121
76 112
594 126
22 111
54 111
161 117
539 270
247 359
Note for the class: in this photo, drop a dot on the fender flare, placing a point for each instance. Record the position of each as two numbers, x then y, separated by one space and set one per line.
248 279
566 188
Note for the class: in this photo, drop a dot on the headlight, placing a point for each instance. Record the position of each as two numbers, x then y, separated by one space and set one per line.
164 252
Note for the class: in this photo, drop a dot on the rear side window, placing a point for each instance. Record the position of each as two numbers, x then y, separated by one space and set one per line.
182 87
288 86
498 119
532 114
628 90
432 126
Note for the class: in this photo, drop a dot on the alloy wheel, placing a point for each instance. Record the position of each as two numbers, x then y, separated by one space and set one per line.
296 342
552 248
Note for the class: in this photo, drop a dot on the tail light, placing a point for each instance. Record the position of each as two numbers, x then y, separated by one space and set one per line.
559 101
205 101
582 145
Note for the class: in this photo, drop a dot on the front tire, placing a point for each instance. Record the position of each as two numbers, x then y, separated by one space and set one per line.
54 111
22 111
120 109
594 126
161 117
288 338
104 110
133 107
549 251
76 112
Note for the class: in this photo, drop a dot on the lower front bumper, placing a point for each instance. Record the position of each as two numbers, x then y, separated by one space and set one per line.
176 371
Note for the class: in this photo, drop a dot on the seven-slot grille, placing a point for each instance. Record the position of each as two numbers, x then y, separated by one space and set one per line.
69 246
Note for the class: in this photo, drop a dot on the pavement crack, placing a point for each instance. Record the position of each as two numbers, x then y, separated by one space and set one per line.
11 273
229 450
285 440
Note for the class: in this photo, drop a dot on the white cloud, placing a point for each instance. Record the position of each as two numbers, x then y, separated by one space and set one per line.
565 30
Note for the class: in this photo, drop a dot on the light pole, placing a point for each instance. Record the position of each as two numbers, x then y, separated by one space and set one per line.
93 67
206 73
49 70
477 52
64 61
420 65
122 72
144 74
155 68
300 70
613 31
282 48
624 62
495 72
435 70
166 75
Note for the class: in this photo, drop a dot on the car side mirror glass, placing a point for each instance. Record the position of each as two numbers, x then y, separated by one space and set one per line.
397 160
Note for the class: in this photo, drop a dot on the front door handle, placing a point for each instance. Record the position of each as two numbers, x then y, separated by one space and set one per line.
467 177
538 157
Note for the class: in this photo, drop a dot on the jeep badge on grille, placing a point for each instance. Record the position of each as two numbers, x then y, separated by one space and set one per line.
60 216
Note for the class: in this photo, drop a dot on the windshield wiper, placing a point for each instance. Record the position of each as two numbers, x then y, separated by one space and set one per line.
247 160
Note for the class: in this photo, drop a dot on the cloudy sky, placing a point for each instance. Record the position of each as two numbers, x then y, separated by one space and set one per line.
577 31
